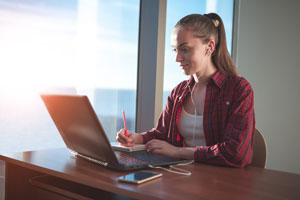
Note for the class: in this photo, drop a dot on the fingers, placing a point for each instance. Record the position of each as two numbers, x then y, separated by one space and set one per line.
123 139
154 146
162 147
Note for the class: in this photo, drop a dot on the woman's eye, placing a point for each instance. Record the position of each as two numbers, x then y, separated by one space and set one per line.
184 50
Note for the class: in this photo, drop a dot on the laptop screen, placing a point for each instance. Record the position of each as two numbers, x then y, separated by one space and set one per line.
79 126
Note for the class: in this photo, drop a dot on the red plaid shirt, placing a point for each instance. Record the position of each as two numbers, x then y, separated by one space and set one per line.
228 121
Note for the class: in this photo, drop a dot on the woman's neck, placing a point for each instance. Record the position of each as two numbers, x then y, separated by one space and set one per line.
203 78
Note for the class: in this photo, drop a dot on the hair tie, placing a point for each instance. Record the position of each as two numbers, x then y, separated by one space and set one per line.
214 21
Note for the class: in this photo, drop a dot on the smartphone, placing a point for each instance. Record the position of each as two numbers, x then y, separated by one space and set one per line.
139 177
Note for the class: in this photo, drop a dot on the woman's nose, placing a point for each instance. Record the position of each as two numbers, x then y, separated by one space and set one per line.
179 57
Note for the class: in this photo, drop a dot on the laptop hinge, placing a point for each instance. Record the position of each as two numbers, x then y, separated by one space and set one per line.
88 158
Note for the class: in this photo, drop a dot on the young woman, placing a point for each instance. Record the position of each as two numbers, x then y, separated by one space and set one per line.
210 117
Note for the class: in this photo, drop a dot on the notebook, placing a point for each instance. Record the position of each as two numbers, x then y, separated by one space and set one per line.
85 137
137 147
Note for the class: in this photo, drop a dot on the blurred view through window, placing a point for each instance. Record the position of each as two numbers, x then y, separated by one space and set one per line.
84 47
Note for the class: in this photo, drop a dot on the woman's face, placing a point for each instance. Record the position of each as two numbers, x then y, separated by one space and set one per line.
191 53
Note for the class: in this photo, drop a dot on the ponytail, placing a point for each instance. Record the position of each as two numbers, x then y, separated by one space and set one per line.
221 57
207 27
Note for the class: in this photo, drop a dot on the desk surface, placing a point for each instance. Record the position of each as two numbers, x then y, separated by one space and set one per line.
206 181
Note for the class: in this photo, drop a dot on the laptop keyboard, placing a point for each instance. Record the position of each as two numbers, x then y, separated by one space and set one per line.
152 157
124 158
142 158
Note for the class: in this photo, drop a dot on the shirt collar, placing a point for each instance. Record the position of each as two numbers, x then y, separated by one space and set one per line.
218 78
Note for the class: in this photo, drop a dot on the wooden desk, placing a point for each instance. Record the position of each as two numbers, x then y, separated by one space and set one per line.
206 181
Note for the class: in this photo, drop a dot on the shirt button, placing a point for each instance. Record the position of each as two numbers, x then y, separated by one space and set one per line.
227 103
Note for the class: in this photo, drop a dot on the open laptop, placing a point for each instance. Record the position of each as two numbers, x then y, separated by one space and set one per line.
84 136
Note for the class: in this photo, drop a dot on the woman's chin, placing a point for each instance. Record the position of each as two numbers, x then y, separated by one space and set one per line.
186 72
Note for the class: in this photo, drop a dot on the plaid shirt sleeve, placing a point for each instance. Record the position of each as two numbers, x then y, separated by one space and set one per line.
229 124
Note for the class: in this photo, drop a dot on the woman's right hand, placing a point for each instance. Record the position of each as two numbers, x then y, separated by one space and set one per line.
130 140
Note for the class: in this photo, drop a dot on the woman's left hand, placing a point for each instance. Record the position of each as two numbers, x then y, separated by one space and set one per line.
162 147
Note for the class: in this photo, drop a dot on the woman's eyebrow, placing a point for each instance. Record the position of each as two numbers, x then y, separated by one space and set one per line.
180 45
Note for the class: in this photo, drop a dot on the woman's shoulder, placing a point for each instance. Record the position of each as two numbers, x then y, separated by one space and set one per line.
240 84
238 81
182 85
180 88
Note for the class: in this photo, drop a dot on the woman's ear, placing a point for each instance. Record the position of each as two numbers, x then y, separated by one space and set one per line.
211 47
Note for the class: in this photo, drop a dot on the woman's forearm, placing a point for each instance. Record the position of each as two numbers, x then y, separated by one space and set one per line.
186 153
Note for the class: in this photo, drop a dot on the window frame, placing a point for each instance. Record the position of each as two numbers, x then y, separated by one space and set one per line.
150 63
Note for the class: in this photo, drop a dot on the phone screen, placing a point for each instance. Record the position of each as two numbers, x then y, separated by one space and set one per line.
139 177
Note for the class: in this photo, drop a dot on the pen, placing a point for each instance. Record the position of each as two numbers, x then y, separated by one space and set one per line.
125 125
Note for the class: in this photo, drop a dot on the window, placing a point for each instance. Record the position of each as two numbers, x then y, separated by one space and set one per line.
176 9
79 46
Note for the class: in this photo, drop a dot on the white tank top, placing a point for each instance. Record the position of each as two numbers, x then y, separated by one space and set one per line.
187 124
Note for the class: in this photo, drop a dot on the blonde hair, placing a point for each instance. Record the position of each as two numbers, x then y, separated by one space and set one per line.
207 27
